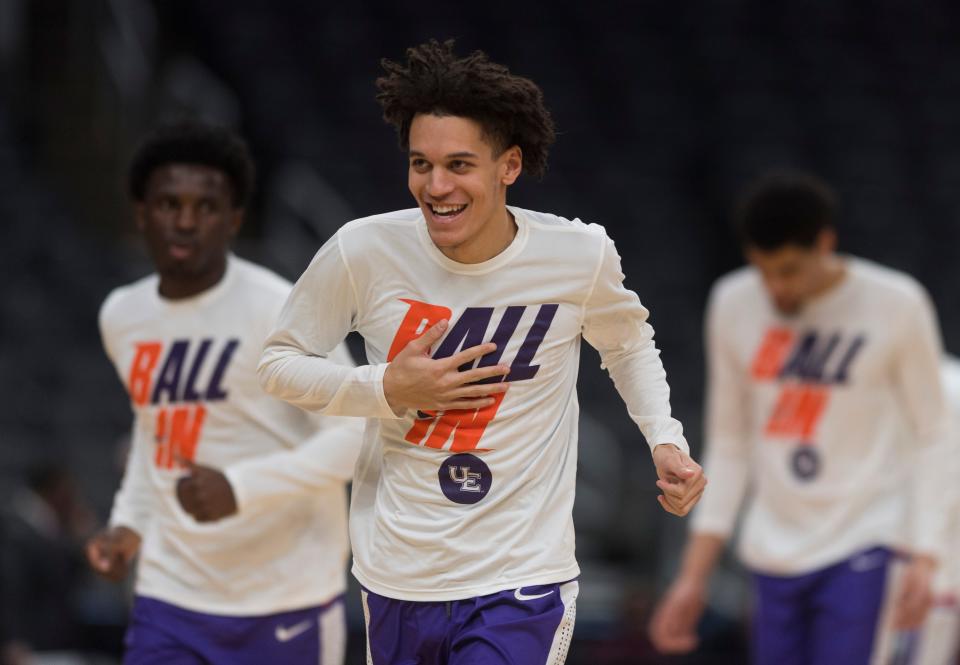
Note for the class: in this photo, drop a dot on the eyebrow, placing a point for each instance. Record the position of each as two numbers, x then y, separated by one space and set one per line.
453 155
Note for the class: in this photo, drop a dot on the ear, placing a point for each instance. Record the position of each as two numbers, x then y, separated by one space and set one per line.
511 165
237 216
140 215
827 241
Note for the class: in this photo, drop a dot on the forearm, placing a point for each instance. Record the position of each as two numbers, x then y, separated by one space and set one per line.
130 507
932 494
700 556
933 455
132 504
639 377
258 482
728 469
325 461
318 384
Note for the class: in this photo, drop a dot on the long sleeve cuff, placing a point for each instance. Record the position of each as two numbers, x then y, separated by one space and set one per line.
361 394
128 519
318 384
661 431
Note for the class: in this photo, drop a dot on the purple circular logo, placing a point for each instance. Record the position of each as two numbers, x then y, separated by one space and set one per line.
464 478
805 462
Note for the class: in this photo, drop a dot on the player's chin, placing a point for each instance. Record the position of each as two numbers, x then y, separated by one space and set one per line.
787 307
446 236
191 267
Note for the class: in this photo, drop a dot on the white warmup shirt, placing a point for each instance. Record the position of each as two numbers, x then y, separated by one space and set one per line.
467 503
189 366
835 417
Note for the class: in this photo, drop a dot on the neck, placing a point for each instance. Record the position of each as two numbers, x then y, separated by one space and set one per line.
496 236
176 287
835 269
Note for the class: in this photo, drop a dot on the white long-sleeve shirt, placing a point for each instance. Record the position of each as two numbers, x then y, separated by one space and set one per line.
468 502
833 419
189 366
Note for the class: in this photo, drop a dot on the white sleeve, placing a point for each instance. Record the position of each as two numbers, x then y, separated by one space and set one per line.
326 459
615 324
726 441
133 502
933 455
319 313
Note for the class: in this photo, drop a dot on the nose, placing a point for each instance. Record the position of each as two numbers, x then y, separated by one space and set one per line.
775 287
439 183
186 219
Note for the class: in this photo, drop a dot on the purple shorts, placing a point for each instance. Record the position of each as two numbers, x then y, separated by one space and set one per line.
527 626
165 634
826 617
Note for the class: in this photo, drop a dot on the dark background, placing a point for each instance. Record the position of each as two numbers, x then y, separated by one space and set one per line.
664 111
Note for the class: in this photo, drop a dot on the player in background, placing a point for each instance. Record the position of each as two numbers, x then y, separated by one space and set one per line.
265 584
472 312
824 400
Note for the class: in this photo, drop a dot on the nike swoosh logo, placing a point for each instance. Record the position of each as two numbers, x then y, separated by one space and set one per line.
286 634
522 596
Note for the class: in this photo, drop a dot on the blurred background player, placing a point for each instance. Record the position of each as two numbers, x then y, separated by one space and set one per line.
824 398
472 312
264 585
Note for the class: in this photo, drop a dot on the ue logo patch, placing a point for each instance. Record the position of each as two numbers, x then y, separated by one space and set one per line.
465 478
805 463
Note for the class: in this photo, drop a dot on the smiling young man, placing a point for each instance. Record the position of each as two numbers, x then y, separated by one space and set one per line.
263 584
824 397
472 312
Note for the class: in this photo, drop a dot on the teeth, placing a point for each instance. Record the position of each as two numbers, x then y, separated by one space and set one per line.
446 210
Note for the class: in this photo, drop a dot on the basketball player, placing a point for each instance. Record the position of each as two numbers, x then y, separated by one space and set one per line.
824 397
472 312
263 585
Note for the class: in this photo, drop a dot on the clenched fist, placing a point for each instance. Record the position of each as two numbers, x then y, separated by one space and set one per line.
206 493
680 479
111 551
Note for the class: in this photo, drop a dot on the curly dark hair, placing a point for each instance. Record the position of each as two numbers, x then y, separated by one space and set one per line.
194 142
785 207
434 80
